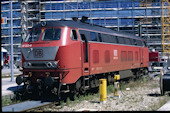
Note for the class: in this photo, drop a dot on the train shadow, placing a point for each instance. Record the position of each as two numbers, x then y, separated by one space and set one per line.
154 94
158 94
97 102
15 88
20 95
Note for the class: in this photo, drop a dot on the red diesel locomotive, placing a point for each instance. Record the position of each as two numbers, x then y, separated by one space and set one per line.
71 56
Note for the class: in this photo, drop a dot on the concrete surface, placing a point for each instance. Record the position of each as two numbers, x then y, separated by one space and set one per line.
8 88
23 106
7 72
165 107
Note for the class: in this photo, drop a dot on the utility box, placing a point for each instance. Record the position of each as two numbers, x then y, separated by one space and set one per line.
103 89
154 56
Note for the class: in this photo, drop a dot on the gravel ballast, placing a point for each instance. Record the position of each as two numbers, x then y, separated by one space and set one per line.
141 95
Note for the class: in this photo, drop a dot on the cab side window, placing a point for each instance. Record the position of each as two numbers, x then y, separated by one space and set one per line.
121 40
73 35
86 34
134 42
93 36
100 37
145 45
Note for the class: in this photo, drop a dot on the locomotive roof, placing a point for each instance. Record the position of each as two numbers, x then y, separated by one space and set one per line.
71 23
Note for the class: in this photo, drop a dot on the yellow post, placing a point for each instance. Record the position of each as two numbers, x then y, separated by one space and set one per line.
103 89
116 85
29 74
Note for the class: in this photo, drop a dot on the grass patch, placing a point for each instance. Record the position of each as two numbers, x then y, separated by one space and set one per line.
110 89
133 84
8 76
7 101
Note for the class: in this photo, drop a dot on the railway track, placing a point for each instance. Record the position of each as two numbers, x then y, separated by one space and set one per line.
33 104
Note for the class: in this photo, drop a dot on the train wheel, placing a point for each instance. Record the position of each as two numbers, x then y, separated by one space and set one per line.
25 95
35 94
96 82
134 76
138 74
145 72
78 86
39 87
72 96
72 93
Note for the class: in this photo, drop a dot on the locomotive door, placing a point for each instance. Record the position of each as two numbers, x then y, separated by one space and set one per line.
141 56
85 55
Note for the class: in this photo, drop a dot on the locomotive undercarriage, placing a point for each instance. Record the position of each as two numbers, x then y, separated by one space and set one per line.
91 82
39 85
44 85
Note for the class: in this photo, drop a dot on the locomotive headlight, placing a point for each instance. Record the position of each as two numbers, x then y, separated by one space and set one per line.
49 64
52 64
27 64
55 63
40 64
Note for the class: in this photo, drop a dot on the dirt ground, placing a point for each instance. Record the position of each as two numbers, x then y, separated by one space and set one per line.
143 96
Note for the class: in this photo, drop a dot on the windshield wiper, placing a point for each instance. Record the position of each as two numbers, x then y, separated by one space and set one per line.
31 49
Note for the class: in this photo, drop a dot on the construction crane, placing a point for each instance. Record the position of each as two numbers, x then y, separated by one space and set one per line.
165 27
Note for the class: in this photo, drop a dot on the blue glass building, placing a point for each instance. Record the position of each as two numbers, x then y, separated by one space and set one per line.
6 28
120 15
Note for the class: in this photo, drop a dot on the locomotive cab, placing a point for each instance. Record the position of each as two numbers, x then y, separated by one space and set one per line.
40 48
47 56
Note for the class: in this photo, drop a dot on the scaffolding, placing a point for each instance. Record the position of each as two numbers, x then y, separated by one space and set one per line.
29 15
121 15
165 27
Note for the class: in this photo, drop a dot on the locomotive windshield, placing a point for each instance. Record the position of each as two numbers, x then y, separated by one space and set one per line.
33 35
51 34
48 34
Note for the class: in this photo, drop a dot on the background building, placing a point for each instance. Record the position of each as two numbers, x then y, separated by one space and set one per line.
6 28
120 15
